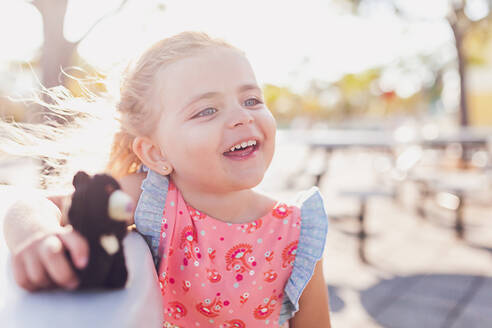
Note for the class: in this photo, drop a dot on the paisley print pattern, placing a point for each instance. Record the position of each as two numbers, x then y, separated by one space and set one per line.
190 245
238 258
281 211
289 254
176 310
263 311
210 308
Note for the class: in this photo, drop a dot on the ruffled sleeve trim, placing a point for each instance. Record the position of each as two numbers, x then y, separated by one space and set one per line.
312 238
150 208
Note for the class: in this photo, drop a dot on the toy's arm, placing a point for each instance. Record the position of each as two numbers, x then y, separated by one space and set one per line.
130 184
63 203
313 304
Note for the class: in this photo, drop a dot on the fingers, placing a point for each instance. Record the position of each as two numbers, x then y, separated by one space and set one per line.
52 256
43 263
20 274
76 245
35 272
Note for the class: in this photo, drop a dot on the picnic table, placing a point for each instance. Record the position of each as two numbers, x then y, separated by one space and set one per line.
388 141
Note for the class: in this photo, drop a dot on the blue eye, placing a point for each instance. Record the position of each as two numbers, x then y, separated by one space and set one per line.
206 112
252 102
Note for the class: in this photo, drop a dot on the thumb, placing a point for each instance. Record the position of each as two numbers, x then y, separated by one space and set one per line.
77 246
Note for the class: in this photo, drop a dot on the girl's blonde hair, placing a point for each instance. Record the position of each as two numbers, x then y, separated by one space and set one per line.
62 146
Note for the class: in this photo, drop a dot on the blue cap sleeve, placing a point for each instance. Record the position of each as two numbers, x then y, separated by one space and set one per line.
314 226
150 206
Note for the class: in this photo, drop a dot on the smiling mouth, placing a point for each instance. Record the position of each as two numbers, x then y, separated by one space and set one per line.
243 152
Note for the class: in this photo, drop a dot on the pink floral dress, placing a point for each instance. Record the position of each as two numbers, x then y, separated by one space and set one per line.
218 274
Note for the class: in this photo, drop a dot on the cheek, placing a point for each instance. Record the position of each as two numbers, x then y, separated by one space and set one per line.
188 146
269 127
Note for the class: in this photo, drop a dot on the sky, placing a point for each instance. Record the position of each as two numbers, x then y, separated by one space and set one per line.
288 43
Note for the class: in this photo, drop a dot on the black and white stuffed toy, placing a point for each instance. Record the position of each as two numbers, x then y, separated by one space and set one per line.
100 212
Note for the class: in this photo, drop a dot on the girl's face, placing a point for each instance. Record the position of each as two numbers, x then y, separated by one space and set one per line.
211 103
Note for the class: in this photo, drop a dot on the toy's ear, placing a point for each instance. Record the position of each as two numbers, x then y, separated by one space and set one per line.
80 179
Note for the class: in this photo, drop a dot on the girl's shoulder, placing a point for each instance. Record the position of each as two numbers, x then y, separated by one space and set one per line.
312 206
150 205
314 223
132 183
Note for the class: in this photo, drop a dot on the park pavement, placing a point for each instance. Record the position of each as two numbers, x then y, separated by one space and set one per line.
418 273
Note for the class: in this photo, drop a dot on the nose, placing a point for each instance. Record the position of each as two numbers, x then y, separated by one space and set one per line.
240 116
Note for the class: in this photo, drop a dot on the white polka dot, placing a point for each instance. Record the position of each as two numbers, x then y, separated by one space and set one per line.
272 231
229 224
197 324
203 285
230 311
259 241
196 275
202 232
172 203
182 267
252 272
174 292
267 321
260 288
163 235
211 320
286 221
236 285
254 282
214 227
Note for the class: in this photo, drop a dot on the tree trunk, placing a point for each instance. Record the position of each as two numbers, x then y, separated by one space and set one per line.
458 39
56 52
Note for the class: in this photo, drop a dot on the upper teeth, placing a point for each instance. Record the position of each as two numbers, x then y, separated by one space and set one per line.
244 144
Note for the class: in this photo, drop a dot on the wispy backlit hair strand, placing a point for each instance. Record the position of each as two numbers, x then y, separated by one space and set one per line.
117 118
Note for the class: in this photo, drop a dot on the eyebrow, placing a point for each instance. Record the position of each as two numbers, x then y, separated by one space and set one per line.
211 94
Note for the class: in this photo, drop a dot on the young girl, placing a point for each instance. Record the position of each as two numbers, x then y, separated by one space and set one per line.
195 138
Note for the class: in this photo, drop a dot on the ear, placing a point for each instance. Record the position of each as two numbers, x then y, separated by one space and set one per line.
150 154
80 178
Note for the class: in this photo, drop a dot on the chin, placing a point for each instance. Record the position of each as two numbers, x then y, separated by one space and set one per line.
247 182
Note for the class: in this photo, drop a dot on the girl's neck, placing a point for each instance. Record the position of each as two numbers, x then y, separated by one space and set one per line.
235 207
